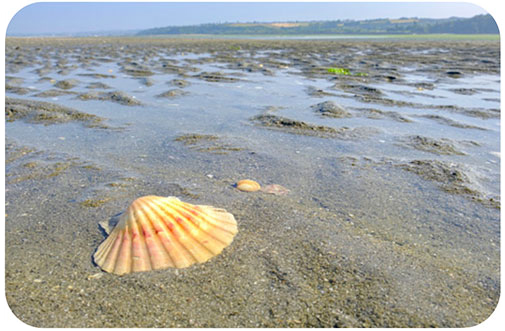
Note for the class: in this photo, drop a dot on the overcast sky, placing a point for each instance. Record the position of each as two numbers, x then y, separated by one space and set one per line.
73 17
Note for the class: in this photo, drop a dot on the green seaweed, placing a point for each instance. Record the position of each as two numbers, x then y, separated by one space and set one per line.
339 71
345 72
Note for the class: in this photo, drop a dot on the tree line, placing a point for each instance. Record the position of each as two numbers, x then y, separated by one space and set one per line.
480 24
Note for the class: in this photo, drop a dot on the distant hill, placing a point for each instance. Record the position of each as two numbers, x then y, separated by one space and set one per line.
480 24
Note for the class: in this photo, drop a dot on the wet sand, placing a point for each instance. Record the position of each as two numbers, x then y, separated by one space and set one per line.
400 237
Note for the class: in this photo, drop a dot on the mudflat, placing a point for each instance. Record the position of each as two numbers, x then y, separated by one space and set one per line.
389 150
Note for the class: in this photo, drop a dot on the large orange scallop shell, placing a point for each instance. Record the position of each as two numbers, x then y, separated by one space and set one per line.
159 233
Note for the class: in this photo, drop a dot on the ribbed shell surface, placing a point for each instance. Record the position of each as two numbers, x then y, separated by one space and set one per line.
163 232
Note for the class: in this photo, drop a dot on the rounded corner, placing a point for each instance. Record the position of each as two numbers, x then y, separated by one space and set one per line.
494 319
24 7
13 320
487 13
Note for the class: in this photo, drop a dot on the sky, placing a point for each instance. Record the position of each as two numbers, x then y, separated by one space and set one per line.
75 17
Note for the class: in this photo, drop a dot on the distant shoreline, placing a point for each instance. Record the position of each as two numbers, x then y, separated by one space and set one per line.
431 36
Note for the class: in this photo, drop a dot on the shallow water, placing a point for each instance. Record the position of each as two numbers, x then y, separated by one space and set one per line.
353 211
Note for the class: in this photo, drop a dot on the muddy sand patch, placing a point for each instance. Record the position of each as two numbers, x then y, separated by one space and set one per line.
331 109
18 89
206 143
450 177
115 96
173 93
48 113
299 127
136 69
427 144
450 122
376 114
53 93
216 77
67 84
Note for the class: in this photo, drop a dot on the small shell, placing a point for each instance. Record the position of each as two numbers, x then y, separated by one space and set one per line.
159 233
275 189
248 185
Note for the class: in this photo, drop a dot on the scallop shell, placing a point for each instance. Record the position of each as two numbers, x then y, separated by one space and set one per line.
159 233
248 185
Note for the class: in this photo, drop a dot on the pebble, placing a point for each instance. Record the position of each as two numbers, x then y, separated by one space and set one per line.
96 276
